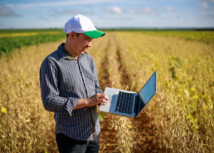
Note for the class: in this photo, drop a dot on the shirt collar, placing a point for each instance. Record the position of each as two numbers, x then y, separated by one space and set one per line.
66 54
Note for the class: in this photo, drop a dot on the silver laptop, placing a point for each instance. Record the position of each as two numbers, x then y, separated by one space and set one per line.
128 103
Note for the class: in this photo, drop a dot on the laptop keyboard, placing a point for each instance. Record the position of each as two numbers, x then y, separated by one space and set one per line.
124 102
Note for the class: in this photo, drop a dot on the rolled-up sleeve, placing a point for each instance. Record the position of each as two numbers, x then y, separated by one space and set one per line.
97 87
49 78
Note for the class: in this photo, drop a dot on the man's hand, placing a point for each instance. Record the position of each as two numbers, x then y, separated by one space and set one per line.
92 101
97 99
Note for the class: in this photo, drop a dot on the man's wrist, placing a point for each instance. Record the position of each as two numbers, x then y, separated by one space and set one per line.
87 102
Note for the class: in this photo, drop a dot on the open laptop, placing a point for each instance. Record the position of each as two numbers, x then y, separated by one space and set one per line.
128 103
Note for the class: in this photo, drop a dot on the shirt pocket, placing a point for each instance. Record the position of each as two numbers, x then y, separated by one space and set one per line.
67 82
66 85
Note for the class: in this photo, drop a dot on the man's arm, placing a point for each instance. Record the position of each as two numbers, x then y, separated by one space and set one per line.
49 78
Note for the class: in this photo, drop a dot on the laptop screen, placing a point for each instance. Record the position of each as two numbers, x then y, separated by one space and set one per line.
149 89
147 92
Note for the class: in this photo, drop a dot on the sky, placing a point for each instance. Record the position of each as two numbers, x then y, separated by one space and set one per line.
108 13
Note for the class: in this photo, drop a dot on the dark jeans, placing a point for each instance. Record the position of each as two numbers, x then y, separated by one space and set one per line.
68 145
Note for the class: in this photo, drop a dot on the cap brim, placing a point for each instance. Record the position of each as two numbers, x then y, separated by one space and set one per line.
94 34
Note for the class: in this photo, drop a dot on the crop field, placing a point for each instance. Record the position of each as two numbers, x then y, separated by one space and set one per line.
11 39
179 118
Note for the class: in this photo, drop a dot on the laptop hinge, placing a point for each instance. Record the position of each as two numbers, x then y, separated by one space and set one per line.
136 105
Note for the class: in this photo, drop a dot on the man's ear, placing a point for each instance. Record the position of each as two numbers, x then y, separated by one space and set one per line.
72 35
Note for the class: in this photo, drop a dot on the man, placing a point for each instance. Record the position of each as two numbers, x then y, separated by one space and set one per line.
70 88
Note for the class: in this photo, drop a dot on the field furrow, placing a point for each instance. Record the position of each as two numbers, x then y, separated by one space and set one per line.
101 54
119 76
131 74
121 137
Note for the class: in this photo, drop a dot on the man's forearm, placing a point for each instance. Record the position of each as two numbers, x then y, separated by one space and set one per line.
81 103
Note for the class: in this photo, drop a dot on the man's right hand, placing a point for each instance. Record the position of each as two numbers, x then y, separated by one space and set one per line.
97 99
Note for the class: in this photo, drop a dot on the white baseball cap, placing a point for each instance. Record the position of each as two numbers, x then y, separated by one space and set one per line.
82 24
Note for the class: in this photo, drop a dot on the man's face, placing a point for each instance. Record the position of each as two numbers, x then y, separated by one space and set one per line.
81 43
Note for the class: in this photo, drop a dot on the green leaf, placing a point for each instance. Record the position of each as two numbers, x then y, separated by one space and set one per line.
101 117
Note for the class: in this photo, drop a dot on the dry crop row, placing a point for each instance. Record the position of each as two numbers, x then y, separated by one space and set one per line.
182 110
